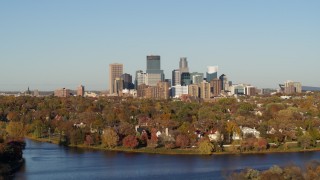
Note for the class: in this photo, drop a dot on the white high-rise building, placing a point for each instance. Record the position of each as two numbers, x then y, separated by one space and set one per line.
212 73
178 90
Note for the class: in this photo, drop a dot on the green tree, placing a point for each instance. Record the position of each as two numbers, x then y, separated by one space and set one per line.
205 146
305 141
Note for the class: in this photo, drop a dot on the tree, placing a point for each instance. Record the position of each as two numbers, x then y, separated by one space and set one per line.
305 141
205 146
130 141
153 142
232 127
110 138
89 140
15 129
182 141
261 144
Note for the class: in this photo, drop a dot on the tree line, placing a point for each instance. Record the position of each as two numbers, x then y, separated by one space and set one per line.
115 122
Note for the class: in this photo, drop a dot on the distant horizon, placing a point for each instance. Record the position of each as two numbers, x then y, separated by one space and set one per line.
53 44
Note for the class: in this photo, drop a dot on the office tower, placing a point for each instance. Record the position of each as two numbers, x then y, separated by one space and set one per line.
154 72
185 79
115 71
176 77
215 87
205 90
212 73
140 78
153 64
118 86
224 82
196 78
80 90
152 79
136 79
193 90
183 65
127 81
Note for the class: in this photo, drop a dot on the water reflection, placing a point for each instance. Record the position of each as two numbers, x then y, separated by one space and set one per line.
50 161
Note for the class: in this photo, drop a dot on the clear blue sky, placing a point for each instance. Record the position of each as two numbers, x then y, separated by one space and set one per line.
64 43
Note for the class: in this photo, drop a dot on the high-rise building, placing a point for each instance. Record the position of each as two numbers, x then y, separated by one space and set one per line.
178 90
127 81
250 90
196 78
62 92
163 90
224 82
212 73
205 90
193 90
139 79
291 87
215 87
80 90
115 71
153 64
185 79
155 74
183 65
152 79
176 77
118 86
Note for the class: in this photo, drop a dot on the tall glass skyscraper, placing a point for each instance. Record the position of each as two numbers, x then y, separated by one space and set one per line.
153 64
154 72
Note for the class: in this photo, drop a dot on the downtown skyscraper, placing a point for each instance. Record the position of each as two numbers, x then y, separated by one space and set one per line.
183 65
154 72
115 72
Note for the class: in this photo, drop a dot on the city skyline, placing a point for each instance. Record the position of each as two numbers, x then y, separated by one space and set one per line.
49 45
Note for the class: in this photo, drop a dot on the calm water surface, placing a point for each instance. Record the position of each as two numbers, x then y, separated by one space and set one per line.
50 161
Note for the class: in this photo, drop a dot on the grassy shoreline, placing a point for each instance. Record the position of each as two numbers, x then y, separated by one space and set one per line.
177 151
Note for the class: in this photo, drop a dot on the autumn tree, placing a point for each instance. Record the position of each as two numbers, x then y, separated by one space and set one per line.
110 138
205 146
15 129
182 141
130 141
153 141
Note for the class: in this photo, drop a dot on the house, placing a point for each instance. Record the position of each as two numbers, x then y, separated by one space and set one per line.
245 131
79 125
215 135
258 113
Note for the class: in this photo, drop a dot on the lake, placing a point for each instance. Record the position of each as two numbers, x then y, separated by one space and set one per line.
51 161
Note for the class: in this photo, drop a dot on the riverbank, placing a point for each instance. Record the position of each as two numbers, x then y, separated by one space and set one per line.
177 151
8 169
